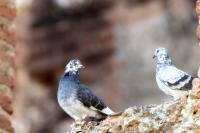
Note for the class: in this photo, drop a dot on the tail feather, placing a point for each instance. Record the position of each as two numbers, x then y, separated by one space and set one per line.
107 111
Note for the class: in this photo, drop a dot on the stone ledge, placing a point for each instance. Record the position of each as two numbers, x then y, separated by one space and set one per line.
175 116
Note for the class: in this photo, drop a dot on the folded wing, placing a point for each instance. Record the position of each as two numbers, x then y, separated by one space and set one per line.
176 78
91 101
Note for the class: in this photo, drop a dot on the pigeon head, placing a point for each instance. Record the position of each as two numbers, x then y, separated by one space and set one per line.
161 55
73 66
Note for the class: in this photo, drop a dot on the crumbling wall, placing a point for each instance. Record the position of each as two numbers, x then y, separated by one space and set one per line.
7 44
179 117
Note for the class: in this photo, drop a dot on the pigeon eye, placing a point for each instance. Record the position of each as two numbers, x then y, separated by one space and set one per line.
78 62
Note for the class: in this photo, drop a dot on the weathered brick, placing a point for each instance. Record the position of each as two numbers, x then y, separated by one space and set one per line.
7 48
5 103
5 124
198 32
7 12
198 7
7 41
6 90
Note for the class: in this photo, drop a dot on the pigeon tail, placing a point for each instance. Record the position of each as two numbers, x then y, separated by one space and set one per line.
107 111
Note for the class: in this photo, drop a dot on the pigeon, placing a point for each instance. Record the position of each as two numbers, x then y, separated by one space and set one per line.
76 99
171 80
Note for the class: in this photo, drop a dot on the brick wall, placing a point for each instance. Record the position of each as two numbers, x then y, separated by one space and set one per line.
7 41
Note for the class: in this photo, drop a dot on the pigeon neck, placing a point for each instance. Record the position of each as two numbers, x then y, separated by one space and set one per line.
161 65
164 61
72 75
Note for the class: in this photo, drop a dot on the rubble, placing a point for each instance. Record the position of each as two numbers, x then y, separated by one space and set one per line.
174 116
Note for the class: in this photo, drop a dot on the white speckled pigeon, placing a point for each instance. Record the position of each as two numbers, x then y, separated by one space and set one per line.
171 80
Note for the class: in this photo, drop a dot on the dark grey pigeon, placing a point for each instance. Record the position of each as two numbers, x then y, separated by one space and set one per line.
76 99
171 80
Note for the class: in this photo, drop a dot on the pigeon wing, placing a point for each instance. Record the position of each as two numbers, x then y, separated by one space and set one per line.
175 78
91 101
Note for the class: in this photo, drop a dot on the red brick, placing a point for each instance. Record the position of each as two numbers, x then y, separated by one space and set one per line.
5 103
198 7
198 32
8 37
5 124
6 58
7 12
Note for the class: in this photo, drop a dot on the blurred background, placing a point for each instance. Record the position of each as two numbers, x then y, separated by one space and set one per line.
114 39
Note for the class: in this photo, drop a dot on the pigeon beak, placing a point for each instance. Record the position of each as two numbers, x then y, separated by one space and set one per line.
81 66
154 56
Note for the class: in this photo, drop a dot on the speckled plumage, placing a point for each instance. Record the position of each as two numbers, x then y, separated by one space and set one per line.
171 80
76 99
